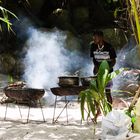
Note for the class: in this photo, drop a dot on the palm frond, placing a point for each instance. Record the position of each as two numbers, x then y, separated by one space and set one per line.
5 18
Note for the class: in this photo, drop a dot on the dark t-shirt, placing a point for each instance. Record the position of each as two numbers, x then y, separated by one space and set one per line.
101 53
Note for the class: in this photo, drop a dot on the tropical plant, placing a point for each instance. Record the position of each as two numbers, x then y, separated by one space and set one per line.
130 15
134 18
5 17
95 96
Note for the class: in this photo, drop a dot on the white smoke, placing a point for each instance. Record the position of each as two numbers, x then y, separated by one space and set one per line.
47 58
44 60
128 57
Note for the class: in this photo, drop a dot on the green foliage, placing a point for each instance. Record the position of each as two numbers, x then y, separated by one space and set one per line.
95 96
5 17
131 16
137 21
118 10
10 79
131 113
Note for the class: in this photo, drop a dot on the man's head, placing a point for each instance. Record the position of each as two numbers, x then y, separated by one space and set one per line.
98 37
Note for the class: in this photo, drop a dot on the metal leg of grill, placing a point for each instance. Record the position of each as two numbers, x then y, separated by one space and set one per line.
28 114
54 109
41 110
65 107
66 102
6 111
19 110
61 112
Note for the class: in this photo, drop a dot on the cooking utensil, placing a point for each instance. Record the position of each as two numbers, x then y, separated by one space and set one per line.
65 81
85 81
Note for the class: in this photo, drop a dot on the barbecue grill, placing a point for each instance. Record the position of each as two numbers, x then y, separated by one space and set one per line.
65 91
23 94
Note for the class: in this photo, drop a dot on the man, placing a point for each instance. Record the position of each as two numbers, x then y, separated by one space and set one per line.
101 50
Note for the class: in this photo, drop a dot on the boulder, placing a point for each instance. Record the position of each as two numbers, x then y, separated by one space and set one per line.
128 82
36 5
60 18
80 16
7 63
115 36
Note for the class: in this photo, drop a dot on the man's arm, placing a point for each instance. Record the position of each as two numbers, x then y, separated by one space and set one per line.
91 49
112 62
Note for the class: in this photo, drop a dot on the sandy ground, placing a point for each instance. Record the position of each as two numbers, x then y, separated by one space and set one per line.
15 126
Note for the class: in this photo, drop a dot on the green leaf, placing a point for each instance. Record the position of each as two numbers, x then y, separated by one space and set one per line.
83 97
91 105
10 79
118 10
93 85
95 95
114 74
102 75
5 17
133 119
123 91
137 21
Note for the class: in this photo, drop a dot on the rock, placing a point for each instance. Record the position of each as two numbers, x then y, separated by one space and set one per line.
7 62
36 5
133 55
80 16
128 82
119 103
115 36
60 18
19 68
72 42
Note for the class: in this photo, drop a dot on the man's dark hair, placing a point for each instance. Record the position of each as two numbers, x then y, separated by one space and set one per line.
98 32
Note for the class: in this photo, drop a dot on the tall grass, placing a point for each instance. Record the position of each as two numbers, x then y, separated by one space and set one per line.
134 18
5 17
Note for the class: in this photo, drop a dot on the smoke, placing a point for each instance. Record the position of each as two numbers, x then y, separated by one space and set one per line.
43 61
47 58
128 57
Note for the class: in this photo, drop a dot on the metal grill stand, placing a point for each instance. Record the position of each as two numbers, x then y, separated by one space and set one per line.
65 107
29 108
65 91
26 96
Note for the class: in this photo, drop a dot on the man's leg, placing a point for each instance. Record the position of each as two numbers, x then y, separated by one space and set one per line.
108 95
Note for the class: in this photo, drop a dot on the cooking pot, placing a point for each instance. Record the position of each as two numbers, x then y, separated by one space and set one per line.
65 81
85 81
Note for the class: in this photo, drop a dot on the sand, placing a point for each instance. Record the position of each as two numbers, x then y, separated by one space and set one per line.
16 127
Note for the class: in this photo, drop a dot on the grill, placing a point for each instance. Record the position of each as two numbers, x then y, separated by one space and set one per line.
67 91
20 93
24 94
